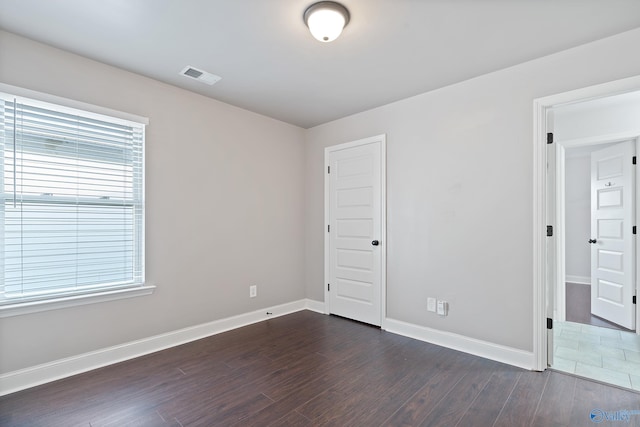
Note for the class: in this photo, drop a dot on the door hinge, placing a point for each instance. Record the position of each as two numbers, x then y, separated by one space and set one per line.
550 138
329 228
549 230
328 169
549 323
634 299
633 160
634 229
328 287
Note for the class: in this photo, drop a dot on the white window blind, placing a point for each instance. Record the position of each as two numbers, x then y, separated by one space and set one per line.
71 214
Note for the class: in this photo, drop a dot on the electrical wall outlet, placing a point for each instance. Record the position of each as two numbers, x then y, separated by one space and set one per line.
253 291
443 308
431 305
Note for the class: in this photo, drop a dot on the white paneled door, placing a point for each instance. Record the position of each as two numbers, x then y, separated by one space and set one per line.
612 240
355 229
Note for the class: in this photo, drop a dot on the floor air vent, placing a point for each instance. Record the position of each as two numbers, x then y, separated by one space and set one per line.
200 75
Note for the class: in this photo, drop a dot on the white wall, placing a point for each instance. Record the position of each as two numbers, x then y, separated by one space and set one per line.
224 209
459 182
600 117
578 215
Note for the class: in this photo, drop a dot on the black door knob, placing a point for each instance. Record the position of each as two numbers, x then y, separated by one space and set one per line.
592 241
375 243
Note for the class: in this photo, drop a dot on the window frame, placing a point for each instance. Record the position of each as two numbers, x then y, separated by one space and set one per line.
87 295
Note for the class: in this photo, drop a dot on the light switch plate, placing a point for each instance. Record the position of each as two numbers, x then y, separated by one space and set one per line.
431 305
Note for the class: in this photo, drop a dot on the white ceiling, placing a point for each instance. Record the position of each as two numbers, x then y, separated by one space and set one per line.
270 64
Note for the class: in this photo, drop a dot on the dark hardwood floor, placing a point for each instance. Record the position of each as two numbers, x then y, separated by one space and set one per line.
578 308
308 369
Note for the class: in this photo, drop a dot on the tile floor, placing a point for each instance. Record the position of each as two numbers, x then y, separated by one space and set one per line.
598 353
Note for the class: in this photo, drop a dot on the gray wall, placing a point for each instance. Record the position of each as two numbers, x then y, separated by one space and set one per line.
598 118
224 207
459 191
578 215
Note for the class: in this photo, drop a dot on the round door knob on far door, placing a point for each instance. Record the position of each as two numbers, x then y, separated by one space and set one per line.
375 243
592 241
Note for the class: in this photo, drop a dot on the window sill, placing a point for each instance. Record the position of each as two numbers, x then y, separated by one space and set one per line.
72 301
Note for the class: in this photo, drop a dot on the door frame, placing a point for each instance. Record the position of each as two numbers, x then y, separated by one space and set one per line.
542 262
560 295
382 139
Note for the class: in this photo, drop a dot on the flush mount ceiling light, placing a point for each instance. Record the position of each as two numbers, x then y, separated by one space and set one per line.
326 19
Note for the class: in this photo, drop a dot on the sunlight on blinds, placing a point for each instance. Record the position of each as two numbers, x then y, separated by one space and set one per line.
72 216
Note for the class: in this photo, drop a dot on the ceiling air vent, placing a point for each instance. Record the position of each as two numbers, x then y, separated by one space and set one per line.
200 75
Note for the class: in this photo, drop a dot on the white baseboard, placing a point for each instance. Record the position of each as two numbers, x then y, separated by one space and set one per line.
51 371
583 280
317 306
499 353
58 369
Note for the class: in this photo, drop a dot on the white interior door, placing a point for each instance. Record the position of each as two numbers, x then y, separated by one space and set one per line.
612 240
355 229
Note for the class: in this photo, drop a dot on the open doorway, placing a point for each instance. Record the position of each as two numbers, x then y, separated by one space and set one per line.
594 211
599 246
